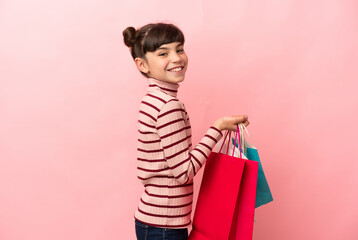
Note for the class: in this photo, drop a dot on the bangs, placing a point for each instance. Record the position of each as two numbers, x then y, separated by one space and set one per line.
162 34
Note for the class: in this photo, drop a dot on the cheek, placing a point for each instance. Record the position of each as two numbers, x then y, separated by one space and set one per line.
159 64
185 58
164 64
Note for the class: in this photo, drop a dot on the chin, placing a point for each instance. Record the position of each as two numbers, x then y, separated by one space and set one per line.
172 80
181 80
175 80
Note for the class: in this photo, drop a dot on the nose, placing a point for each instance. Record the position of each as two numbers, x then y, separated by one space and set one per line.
176 57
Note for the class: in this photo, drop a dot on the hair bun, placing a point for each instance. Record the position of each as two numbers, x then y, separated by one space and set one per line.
129 36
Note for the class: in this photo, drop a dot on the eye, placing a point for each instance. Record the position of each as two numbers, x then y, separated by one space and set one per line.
180 50
162 54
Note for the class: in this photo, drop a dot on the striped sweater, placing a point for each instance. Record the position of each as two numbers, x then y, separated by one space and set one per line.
166 160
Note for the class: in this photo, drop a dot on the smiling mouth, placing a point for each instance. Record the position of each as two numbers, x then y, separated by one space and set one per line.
176 69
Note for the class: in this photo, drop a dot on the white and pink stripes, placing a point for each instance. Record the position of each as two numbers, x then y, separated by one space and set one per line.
167 162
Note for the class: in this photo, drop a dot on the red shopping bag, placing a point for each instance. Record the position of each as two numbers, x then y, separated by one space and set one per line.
226 202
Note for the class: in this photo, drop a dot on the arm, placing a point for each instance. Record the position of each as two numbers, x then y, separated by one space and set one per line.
172 130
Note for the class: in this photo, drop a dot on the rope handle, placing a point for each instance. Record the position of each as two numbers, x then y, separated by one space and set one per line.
242 127
236 136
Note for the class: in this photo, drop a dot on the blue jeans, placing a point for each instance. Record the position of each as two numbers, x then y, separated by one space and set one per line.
146 232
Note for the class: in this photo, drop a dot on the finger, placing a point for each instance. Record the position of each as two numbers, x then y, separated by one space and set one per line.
246 123
244 117
240 118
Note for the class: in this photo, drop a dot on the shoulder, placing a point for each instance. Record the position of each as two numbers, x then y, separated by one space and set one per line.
161 96
172 110
162 100
159 103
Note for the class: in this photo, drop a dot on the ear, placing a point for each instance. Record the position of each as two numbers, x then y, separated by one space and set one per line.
142 65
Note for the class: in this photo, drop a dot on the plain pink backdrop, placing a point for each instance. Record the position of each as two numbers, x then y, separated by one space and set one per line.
69 97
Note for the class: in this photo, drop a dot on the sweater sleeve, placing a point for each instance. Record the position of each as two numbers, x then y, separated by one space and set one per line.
172 129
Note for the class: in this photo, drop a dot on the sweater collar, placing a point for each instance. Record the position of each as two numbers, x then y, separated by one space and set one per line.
168 88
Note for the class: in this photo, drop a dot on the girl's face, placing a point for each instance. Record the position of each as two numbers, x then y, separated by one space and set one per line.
168 63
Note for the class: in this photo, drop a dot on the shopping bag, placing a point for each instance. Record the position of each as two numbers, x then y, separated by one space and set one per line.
263 192
226 201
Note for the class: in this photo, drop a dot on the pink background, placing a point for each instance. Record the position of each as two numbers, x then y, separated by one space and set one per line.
69 97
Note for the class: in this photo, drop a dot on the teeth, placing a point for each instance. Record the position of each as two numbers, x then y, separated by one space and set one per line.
176 69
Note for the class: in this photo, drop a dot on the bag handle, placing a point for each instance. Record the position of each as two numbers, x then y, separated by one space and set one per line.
223 141
227 149
242 127
247 132
237 131
242 136
236 135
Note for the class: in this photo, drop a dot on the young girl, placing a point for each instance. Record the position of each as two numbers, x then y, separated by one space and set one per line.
167 162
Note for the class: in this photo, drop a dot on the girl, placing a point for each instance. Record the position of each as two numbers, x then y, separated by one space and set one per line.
167 162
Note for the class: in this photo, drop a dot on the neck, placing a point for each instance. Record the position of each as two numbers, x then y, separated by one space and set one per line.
168 88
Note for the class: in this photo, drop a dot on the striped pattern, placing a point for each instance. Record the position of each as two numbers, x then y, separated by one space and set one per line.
167 161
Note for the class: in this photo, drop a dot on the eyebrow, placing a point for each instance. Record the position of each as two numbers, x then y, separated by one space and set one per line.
180 44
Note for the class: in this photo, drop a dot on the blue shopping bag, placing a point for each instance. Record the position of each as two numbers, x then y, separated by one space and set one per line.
263 192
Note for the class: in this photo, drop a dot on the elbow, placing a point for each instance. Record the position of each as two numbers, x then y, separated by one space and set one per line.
184 178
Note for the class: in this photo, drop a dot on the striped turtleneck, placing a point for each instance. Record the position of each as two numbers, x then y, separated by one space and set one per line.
166 160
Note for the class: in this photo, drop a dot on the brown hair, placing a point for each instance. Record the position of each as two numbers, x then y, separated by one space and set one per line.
150 37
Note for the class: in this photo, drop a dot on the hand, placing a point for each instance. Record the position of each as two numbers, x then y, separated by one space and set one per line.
231 122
